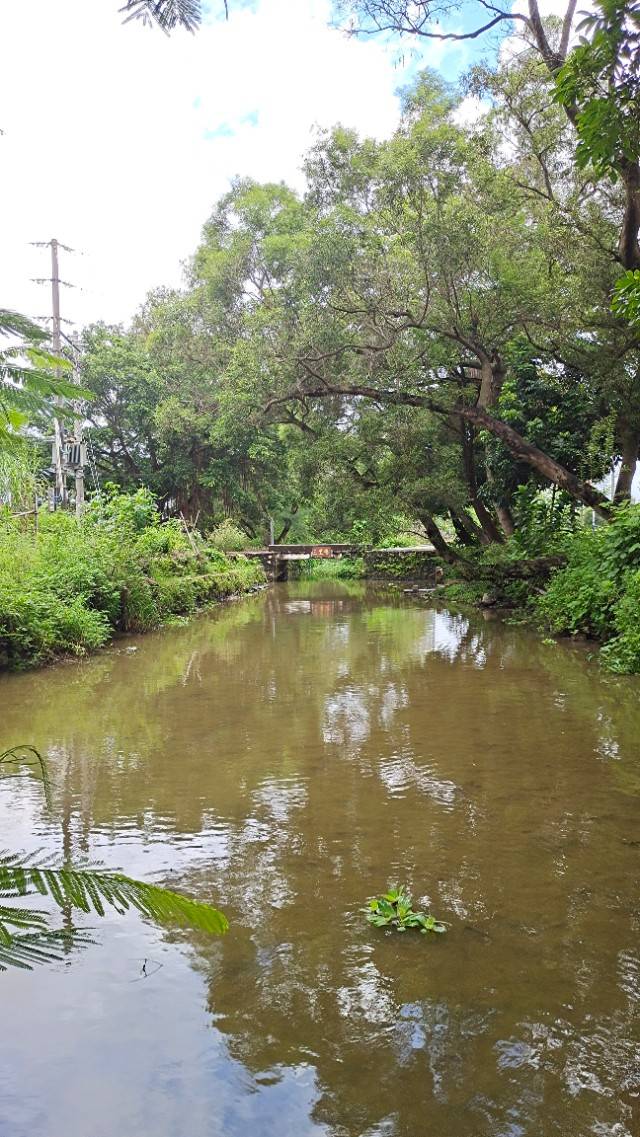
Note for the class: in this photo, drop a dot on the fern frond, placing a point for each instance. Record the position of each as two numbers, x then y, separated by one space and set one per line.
167 13
46 946
92 890
25 919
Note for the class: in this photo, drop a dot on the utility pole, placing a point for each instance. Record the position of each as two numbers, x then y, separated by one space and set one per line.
68 453
60 493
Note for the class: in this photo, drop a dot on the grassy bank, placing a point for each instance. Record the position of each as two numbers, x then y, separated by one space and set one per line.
595 594
338 568
69 587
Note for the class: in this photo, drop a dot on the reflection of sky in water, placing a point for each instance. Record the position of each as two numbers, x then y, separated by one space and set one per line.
346 718
400 774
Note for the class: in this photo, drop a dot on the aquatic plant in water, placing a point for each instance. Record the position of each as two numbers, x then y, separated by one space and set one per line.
394 909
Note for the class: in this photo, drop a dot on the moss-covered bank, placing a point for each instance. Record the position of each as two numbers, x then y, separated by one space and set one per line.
587 586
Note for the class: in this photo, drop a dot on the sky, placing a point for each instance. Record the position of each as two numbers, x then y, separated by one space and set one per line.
117 139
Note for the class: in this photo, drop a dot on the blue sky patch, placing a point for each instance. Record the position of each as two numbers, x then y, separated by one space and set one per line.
223 130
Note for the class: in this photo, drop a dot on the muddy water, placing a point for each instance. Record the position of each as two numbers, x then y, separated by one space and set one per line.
286 758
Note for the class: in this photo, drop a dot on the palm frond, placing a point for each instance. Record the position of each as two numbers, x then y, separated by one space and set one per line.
25 935
168 14
30 379
94 890
15 324
42 945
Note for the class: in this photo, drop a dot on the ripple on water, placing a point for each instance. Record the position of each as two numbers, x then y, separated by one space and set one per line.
629 975
401 774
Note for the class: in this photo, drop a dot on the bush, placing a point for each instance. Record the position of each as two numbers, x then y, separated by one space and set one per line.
229 537
598 593
582 596
73 585
622 653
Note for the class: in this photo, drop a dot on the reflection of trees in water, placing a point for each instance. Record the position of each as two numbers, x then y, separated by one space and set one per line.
296 751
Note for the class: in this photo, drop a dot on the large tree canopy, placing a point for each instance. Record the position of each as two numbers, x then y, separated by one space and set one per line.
427 331
424 332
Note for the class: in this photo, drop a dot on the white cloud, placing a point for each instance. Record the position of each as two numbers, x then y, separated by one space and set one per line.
117 138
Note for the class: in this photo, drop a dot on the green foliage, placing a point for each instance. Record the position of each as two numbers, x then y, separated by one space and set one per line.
622 653
229 537
26 936
626 297
545 522
68 588
601 80
557 409
30 378
466 591
394 909
329 568
580 598
597 593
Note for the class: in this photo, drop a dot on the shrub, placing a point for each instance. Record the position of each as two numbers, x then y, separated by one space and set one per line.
622 653
73 585
229 537
598 593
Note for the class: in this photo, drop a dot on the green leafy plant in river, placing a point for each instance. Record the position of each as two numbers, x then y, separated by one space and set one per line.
26 935
394 909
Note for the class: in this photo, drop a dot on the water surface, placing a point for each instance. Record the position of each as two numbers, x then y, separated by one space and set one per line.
285 758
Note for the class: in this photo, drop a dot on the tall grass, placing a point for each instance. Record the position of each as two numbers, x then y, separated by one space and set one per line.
330 568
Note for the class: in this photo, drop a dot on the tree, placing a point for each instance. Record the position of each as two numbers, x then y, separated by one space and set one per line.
29 378
596 82
572 208
599 86
427 19
420 266
26 935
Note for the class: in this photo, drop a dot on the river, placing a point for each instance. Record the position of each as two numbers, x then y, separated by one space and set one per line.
286 757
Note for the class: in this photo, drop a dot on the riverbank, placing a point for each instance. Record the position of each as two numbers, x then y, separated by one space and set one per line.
581 583
585 585
69 587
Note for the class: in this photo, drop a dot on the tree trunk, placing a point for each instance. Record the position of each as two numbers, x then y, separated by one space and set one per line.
629 445
437 540
543 463
489 530
466 531
492 380
491 535
284 532
505 517
628 246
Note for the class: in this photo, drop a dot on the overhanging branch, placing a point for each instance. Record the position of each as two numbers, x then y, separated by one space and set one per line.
525 451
